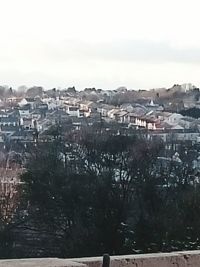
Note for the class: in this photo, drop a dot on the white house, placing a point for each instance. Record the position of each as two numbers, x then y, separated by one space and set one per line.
120 116
27 123
150 125
135 120
24 112
23 102
9 121
73 111
104 109
111 113
174 118
51 103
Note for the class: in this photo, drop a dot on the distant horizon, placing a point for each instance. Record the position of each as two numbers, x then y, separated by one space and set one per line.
96 87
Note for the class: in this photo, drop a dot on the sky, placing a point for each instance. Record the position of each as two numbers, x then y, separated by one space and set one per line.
140 44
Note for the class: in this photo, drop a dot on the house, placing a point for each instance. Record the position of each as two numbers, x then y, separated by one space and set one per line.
163 116
41 109
104 109
127 107
71 101
73 111
13 113
27 101
78 122
164 126
24 111
187 122
23 102
57 115
177 127
41 106
139 109
27 123
174 118
86 105
9 121
31 101
51 105
22 135
150 124
111 113
135 120
86 113
120 116
36 114
3 114
82 113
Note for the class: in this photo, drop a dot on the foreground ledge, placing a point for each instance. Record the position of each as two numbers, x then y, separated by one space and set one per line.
174 259
40 262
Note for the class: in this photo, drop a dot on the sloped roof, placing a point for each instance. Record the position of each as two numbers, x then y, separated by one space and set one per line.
9 119
177 127
121 113
9 128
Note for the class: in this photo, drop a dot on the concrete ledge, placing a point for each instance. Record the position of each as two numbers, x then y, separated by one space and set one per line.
174 259
44 262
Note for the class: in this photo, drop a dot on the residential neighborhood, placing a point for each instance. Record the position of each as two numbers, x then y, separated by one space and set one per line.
27 117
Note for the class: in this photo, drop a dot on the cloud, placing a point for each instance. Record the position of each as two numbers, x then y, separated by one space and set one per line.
121 50
105 64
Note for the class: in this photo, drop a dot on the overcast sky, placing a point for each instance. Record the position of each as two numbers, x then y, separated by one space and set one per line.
99 43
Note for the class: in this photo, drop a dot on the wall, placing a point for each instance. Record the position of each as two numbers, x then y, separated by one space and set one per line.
174 259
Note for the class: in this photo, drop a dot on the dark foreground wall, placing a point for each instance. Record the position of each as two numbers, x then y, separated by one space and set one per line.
174 259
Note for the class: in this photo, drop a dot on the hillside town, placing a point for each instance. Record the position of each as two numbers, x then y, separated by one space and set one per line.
29 115
32 115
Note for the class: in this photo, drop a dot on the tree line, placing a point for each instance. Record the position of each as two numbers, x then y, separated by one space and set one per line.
102 194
